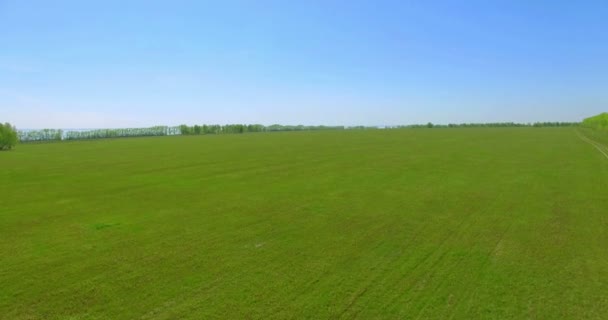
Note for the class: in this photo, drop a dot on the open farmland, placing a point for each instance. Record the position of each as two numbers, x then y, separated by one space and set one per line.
415 223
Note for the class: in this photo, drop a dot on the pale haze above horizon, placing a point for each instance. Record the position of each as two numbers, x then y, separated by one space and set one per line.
86 64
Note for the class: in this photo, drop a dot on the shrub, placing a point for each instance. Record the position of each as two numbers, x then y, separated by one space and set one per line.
597 122
8 136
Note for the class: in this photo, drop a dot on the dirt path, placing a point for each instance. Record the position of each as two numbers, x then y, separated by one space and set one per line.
597 145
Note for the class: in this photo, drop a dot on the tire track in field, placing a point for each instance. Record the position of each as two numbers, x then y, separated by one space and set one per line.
597 145
466 227
467 298
435 258
464 230
373 280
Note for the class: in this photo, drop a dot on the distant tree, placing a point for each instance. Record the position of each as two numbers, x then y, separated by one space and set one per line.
429 125
8 136
184 129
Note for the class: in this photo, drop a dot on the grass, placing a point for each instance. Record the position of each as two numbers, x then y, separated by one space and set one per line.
422 223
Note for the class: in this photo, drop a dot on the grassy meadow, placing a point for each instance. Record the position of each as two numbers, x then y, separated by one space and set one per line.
479 223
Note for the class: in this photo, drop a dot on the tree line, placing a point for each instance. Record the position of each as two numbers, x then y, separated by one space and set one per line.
58 134
490 125
120 133
40 135
244 128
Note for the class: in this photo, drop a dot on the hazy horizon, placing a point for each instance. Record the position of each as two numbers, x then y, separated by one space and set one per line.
71 64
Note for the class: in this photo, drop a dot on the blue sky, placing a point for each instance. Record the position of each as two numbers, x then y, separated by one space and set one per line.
81 64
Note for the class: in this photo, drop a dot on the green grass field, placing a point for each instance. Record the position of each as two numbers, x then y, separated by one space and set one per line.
388 224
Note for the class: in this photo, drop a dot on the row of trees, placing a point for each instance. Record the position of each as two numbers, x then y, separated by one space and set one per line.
491 125
556 124
40 135
218 129
56 134
8 136
121 133
244 128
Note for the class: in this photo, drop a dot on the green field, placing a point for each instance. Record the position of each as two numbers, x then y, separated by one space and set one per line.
484 223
